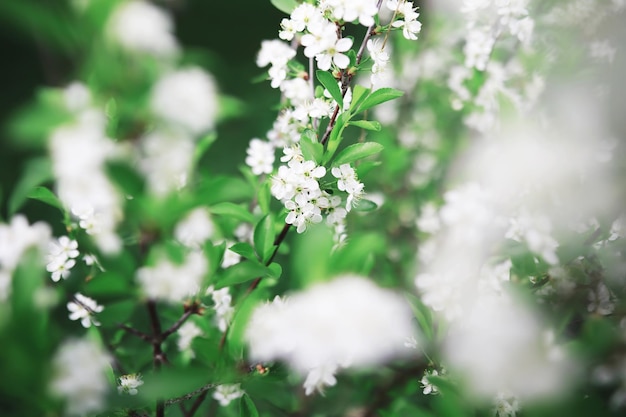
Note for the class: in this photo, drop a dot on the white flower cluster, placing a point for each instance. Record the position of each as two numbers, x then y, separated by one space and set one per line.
409 23
170 282
15 239
195 228
489 19
347 322
79 151
80 368
62 257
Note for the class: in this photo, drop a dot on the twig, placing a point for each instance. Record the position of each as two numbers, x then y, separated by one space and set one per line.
189 396
158 358
135 332
178 323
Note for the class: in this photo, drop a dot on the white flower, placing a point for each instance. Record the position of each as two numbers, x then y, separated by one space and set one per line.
195 228
64 247
275 52
84 308
128 384
429 387
79 376
335 53
506 405
260 156
165 159
224 311
227 392
187 98
170 282
348 182
186 333
60 268
345 322
320 377
140 26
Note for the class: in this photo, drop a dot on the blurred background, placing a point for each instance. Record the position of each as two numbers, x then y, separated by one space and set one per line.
212 29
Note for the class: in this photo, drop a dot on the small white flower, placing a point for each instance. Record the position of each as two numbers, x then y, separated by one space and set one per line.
186 333
260 157
429 387
227 392
60 268
84 308
128 384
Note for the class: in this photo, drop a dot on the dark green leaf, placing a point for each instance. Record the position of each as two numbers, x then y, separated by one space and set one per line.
366 124
36 172
202 146
285 6
330 83
377 97
275 270
264 197
108 284
126 178
219 189
264 238
357 151
46 196
247 407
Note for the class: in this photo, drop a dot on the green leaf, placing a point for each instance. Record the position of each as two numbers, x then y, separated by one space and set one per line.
217 189
423 316
239 273
108 284
244 249
359 94
364 205
335 136
46 196
125 177
264 238
357 151
202 146
36 172
233 210
312 150
377 97
264 197
330 83
310 255
275 270
285 6
366 124
247 407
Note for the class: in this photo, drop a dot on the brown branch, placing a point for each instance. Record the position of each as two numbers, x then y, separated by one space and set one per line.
189 396
135 332
178 323
158 357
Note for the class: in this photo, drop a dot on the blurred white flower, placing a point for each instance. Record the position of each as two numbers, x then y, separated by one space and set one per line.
15 238
186 98
171 282
227 392
195 228
142 27
347 322
79 376
186 333
165 160
499 345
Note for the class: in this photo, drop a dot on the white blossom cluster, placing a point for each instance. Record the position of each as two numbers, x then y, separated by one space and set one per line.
347 322
80 369
171 282
79 151
195 228
184 102
16 238
62 256
186 333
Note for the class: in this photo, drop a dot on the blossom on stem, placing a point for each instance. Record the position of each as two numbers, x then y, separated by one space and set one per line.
84 308
128 384
225 393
